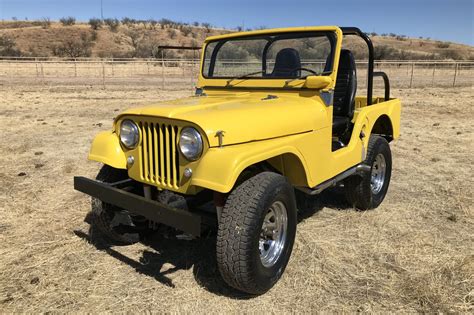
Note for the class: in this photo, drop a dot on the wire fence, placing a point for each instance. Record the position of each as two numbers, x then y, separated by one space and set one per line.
182 73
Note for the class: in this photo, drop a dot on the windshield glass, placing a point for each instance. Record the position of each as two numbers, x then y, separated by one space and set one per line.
278 56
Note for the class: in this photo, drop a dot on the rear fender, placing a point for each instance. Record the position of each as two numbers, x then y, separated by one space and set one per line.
369 115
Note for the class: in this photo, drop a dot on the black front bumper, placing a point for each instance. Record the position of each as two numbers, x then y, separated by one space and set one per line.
111 193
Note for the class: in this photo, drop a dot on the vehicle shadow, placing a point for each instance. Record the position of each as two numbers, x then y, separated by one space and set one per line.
330 198
197 254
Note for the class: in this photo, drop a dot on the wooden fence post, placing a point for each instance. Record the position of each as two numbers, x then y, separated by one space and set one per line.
411 78
36 64
75 67
455 74
432 79
103 74
192 73
162 70
42 71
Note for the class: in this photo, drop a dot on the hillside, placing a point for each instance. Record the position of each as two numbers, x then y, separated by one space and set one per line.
141 39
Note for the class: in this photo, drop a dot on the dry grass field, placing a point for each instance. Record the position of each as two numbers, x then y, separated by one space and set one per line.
415 253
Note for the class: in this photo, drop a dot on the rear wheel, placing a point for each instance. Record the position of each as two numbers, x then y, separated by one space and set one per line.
116 224
256 233
368 190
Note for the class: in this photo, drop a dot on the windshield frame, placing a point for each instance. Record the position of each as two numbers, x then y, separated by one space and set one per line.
271 38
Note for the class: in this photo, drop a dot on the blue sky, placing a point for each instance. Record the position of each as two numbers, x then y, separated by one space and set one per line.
450 20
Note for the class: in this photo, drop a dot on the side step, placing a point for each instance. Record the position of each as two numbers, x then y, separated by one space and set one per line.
333 181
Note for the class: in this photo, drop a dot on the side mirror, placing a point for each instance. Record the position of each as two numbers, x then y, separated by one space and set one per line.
317 82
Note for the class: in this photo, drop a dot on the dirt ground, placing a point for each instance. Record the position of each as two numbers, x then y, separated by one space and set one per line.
415 253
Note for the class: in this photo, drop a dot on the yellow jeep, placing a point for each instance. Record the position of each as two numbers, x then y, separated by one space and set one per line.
274 111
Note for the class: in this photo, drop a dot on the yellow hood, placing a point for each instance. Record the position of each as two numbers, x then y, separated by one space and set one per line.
243 117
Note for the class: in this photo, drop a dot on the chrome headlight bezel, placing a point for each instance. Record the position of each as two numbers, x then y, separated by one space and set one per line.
129 134
190 143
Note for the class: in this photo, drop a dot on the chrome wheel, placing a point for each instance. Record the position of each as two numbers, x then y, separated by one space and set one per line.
273 235
377 178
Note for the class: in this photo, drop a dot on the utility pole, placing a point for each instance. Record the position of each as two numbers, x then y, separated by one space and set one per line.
102 10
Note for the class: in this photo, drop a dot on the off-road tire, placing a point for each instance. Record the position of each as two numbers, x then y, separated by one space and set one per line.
103 213
238 256
358 189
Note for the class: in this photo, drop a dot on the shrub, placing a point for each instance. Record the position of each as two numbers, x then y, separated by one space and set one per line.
172 33
373 34
45 22
194 43
113 24
166 22
186 30
94 35
8 47
384 52
207 27
128 21
152 23
450 54
95 23
138 22
135 38
67 21
440 44
75 47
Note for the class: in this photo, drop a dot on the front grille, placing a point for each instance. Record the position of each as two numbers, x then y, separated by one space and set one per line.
159 154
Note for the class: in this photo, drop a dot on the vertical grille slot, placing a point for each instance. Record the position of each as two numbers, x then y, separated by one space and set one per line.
150 153
159 155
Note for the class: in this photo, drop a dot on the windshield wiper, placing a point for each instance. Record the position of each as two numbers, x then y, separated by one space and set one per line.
244 76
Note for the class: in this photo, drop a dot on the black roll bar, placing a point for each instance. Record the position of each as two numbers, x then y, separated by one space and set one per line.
386 83
370 70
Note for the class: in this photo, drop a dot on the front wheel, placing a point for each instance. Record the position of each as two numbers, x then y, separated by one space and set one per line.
368 190
117 225
256 233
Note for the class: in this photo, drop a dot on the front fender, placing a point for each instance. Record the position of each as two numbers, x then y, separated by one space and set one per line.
219 168
106 149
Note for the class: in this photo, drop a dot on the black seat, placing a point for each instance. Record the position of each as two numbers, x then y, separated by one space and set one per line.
344 93
287 63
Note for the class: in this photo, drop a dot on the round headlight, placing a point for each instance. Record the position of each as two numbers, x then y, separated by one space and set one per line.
129 134
190 143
